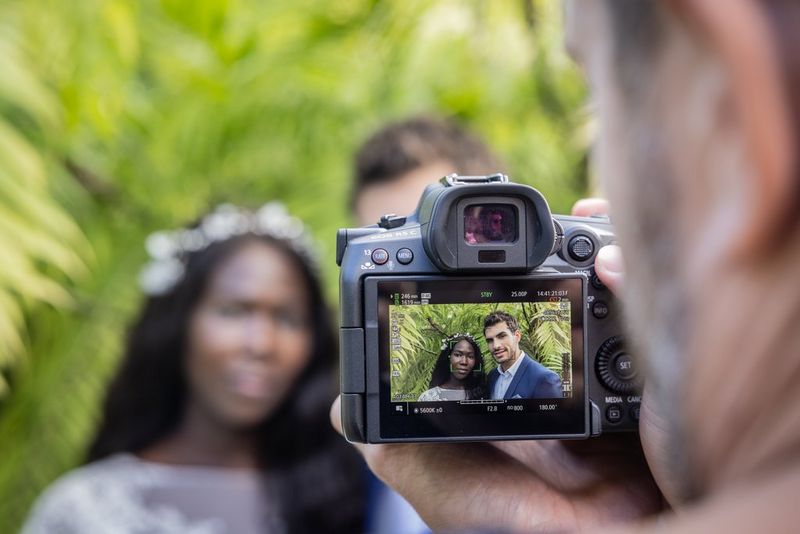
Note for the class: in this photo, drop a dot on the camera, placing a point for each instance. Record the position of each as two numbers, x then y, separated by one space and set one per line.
479 317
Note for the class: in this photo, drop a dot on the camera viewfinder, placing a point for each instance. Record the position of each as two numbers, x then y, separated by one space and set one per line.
490 223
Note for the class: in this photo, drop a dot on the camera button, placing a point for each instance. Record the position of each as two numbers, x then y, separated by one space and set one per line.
580 248
600 309
596 282
623 367
635 409
614 413
380 256
405 256
614 367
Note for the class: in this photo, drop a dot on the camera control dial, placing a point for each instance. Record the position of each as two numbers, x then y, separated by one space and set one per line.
614 366
580 248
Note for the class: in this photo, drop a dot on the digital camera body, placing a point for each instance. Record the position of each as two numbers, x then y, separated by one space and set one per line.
477 245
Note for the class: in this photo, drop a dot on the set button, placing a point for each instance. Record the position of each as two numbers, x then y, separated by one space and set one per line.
623 367
615 368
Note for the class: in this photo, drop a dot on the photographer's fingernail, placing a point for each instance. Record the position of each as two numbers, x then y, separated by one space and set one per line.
611 258
589 207
610 267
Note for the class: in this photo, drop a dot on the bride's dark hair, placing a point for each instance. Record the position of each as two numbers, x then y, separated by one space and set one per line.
146 400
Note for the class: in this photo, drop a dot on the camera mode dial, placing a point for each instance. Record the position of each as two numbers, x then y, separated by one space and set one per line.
614 366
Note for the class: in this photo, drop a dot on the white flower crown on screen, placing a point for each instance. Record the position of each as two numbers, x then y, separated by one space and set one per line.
448 341
170 249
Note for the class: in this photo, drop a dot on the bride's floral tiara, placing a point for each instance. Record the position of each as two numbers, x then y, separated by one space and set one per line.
170 249
450 340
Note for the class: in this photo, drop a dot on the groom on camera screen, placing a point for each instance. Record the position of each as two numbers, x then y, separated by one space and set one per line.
517 376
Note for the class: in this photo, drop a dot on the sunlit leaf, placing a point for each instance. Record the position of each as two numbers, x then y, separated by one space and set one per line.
168 107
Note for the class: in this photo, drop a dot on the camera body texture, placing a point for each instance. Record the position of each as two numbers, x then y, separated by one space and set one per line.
418 361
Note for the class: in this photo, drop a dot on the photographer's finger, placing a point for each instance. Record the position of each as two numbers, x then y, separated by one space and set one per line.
610 267
586 207
336 414
336 421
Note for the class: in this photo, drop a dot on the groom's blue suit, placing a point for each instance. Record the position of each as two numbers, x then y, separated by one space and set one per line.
531 381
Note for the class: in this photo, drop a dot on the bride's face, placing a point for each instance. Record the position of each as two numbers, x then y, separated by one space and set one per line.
249 338
462 359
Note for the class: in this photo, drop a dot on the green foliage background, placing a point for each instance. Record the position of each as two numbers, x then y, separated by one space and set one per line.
120 117
423 328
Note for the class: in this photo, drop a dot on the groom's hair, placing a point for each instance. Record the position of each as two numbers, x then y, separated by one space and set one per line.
497 317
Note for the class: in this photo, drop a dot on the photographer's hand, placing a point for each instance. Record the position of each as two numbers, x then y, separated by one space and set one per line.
653 428
518 486
527 485
608 263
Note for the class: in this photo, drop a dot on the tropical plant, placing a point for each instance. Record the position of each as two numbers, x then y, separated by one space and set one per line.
120 117
42 246
546 332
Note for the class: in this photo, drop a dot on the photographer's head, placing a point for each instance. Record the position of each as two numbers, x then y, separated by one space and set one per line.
698 110
502 334
395 164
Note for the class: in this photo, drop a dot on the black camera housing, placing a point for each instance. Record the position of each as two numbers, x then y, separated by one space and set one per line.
481 240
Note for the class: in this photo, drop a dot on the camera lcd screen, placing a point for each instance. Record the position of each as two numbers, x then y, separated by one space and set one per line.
490 223
443 374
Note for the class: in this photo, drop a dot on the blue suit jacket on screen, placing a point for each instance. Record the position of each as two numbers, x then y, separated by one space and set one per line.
532 381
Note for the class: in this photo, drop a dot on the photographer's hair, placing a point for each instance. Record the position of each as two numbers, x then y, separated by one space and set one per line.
498 317
644 34
401 147
146 400
474 385
640 31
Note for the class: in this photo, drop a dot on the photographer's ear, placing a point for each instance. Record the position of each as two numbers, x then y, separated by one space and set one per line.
740 33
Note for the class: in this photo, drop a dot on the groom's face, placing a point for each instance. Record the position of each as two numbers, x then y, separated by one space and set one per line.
502 343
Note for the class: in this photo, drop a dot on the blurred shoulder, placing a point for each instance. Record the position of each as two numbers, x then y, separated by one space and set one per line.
80 498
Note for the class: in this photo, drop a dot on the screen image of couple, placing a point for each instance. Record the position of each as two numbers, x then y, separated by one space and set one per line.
464 352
